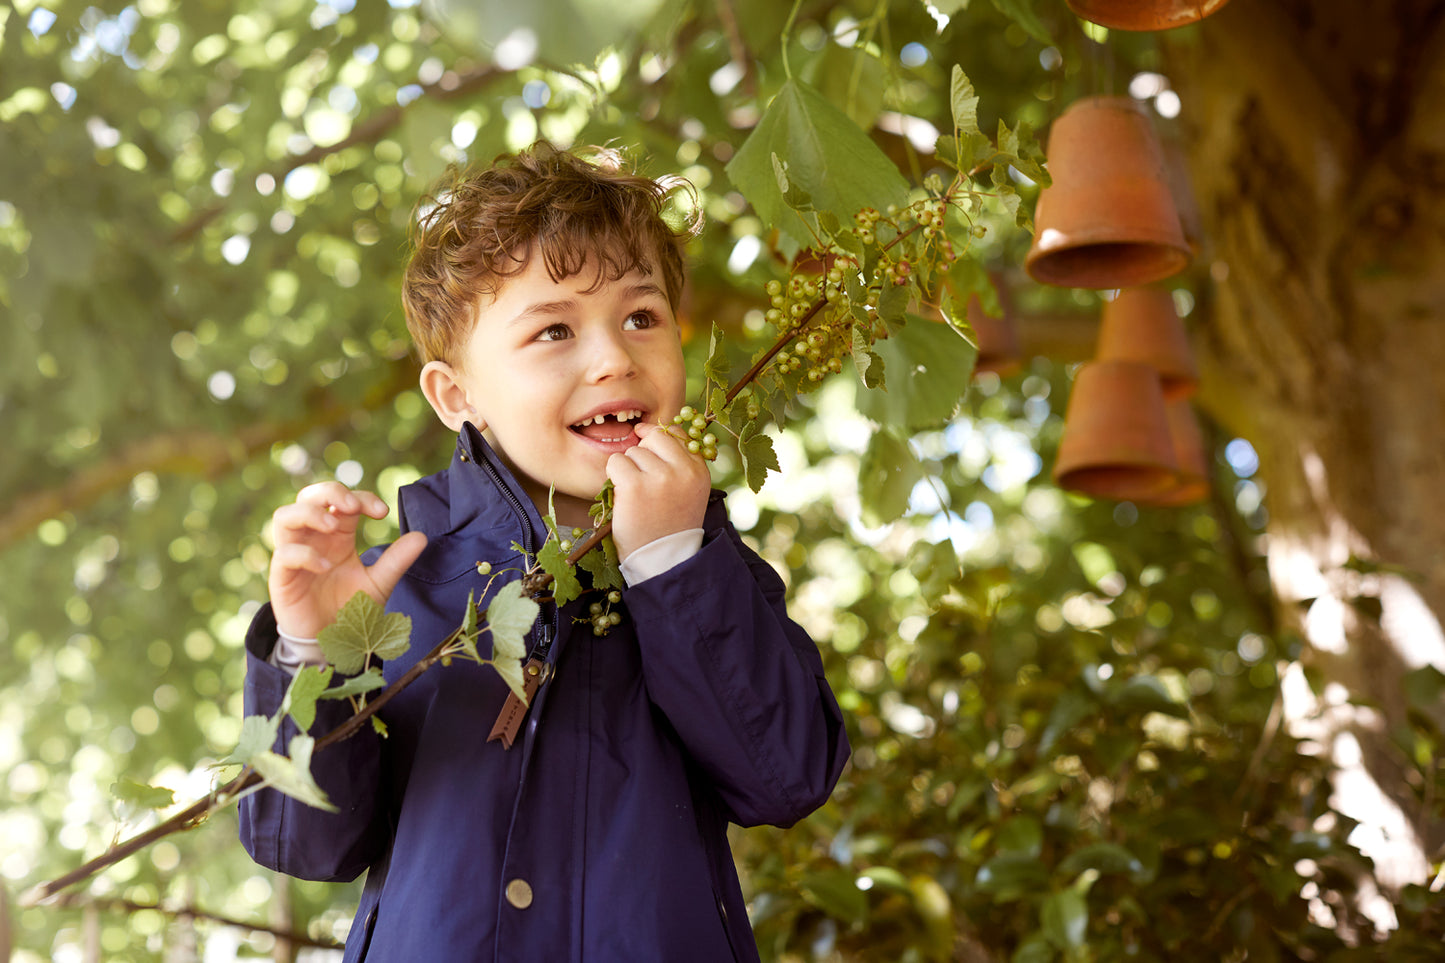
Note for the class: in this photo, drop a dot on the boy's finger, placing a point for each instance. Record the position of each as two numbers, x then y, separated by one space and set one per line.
299 557
301 517
387 570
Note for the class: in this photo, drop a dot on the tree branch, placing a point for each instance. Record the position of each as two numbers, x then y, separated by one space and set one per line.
191 912
186 452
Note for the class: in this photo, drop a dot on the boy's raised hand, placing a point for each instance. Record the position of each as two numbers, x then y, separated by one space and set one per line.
315 569
659 488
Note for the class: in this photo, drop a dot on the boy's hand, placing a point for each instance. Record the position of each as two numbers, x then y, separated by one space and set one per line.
659 488
315 569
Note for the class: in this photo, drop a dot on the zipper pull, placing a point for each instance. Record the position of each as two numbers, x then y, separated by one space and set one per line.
514 710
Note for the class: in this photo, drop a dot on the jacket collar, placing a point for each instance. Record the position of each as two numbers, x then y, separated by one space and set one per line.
477 496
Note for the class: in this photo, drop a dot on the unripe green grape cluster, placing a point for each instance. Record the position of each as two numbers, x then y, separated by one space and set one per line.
602 616
700 441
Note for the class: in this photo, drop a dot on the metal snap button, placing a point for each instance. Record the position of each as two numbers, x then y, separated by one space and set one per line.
519 893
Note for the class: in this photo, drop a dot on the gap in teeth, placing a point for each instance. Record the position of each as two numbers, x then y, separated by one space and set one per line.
621 416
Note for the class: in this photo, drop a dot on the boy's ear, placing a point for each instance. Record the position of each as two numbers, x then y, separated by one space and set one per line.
444 392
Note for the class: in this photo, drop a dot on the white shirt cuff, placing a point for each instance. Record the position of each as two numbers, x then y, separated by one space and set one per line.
661 554
292 653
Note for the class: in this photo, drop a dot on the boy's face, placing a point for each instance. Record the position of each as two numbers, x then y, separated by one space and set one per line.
545 359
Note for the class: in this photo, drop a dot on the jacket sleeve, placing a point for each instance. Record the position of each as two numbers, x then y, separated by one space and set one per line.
740 682
287 835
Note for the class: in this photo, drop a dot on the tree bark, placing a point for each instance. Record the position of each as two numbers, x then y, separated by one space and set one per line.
1316 132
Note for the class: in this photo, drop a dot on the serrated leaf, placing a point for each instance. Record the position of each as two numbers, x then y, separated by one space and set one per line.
821 153
868 365
368 681
929 366
552 560
717 403
601 564
379 727
716 368
509 618
758 456
893 302
258 735
964 102
292 776
362 629
946 150
469 618
886 477
306 687
141 795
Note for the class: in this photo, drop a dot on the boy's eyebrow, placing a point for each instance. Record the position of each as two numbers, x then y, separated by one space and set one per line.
543 309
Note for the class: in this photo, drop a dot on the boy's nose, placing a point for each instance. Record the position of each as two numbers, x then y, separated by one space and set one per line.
610 358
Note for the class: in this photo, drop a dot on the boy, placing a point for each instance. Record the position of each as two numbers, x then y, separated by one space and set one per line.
542 296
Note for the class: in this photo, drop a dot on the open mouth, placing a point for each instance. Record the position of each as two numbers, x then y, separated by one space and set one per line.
612 428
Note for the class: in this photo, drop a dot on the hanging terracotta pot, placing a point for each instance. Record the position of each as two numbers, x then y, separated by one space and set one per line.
1191 484
1141 324
998 340
1116 434
1108 220
1144 14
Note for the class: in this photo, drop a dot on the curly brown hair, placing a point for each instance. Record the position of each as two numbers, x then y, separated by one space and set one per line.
479 227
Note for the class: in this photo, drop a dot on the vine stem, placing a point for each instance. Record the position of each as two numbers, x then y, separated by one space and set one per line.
594 538
194 814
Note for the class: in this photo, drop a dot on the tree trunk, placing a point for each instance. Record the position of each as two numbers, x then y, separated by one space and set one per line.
1317 133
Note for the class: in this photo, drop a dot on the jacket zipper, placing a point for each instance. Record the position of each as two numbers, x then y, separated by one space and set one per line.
547 631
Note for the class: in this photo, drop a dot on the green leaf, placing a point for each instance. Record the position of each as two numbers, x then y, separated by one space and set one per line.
1022 13
1103 857
509 618
553 561
1065 918
886 478
1011 876
716 368
1145 693
601 564
1021 834
929 366
258 735
306 687
141 795
821 152
1035 949
758 456
362 629
964 102
835 892
292 776
1424 688
893 302
368 681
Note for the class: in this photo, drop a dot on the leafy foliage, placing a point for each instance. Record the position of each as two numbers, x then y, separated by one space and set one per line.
201 208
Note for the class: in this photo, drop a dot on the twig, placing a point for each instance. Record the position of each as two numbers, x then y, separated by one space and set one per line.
193 814
190 912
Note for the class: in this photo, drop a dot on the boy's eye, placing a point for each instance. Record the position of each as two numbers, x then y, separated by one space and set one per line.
640 320
554 332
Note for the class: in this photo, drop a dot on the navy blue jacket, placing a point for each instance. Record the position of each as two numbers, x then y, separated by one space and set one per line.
601 835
